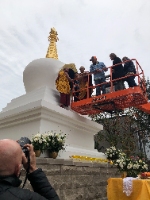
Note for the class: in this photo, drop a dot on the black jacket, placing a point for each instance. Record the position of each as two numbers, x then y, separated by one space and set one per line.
71 75
129 67
118 71
42 189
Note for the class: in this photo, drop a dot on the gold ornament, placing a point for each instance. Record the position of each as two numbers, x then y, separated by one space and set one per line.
52 49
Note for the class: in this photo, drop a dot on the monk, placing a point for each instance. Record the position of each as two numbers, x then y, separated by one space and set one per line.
83 83
64 87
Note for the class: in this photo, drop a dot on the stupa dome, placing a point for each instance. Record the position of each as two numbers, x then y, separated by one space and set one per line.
41 72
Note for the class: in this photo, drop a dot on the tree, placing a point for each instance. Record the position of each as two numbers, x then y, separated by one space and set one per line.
118 130
128 130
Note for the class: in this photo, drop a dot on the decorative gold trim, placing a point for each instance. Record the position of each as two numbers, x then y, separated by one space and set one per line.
88 159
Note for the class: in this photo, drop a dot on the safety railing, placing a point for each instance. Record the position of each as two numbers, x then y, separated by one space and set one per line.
139 74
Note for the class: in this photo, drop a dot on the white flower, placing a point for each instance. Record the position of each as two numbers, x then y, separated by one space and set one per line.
129 166
40 141
135 166
38 135
35 139
145 166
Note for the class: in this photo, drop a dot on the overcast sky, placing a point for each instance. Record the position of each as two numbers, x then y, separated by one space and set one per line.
85 28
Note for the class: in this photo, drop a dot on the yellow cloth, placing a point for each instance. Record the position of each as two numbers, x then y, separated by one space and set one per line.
83 83
62 84
141 190
70 66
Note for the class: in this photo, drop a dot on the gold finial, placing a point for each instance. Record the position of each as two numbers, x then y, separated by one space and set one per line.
52 50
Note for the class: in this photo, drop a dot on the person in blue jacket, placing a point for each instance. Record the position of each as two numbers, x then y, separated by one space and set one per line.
98 68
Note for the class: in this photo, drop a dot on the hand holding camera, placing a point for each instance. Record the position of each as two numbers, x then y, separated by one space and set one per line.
28 157
32 158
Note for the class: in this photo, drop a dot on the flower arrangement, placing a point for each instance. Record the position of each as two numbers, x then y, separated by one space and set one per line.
132 165
112 153
38 141
52 141
55 141
123 163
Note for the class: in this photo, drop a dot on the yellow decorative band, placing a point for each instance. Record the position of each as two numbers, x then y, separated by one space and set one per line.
89 159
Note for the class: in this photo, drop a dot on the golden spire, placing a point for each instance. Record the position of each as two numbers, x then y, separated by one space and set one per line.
52 50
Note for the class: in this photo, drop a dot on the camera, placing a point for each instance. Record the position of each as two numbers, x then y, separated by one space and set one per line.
22 142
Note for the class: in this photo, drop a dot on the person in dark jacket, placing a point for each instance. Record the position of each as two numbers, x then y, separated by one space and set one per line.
11 160
117 72
76 88
129 69
72 76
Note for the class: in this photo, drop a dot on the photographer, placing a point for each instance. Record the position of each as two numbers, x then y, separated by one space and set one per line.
11 160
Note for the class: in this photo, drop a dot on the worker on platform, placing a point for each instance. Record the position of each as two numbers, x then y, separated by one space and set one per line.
129 69
98 68
76 87
117 72
85 81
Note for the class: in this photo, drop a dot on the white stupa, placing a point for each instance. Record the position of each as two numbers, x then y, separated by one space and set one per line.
38 111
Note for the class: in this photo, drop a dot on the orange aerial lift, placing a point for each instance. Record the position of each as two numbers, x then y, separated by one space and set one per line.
114 100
